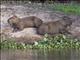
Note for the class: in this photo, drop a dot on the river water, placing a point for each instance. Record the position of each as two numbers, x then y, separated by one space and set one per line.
40 55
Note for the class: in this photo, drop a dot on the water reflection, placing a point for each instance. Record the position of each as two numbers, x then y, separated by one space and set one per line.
40 55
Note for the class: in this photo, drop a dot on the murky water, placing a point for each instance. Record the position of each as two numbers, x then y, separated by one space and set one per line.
40 55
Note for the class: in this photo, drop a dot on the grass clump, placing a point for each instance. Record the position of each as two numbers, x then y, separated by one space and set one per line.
58 42
48 42
70 8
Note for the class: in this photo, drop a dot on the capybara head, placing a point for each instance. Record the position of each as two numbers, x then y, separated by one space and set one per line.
13 20
67 21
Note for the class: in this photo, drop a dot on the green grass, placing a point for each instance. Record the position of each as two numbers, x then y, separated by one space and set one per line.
48 42
71 8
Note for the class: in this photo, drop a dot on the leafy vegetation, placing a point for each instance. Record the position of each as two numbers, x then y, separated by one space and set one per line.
48 42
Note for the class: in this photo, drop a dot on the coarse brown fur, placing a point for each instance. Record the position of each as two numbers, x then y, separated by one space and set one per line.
21 23
55 27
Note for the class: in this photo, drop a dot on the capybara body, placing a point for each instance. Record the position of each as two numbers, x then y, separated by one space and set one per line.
21 23
50 28
55 27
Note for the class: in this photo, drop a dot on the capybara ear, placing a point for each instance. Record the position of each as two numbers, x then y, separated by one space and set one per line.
14 16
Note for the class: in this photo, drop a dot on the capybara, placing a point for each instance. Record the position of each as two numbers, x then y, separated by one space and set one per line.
21 23
27 35
55 27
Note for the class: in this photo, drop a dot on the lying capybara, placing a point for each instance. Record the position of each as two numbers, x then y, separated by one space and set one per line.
27 35
21 23
56 27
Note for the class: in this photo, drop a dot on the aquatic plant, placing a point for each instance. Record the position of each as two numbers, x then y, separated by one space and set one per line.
48 42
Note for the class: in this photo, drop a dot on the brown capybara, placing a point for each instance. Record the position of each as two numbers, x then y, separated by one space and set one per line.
21 23
56 27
